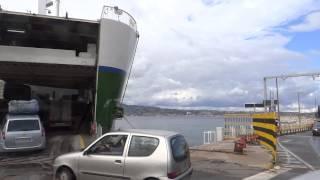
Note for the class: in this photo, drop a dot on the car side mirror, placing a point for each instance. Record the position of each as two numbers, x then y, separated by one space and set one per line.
87 152
117 112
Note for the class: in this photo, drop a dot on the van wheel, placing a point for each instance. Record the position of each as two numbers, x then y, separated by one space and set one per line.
65 174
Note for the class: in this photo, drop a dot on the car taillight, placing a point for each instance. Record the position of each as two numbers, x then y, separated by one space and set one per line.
173 175
3 134
42 132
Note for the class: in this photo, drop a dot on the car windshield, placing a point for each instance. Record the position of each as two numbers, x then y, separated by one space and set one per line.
23 125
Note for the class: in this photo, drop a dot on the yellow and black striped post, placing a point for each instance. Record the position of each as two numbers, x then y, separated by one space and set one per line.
265 127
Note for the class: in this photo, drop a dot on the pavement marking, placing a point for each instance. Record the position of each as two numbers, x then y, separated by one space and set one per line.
82 144
297 135
297 157
269 174
286 141
289 161
314 147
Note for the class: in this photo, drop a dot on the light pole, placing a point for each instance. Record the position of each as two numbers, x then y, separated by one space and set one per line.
265 94
315 103
278 104
299 108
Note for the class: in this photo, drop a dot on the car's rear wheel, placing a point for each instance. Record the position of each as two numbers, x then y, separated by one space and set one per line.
65 174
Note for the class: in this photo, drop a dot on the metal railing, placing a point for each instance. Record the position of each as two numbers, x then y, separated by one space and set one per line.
120 15
294 128
209 137
292 124
237 125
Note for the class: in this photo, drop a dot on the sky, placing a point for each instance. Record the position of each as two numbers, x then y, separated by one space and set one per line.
214 53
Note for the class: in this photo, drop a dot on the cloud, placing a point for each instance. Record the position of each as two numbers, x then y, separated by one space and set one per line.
210 53
222 53
310 23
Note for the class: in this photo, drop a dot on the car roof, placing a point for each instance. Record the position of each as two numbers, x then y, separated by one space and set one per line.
21 117
153 132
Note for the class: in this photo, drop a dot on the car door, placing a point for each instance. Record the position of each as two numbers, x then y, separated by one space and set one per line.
147 157
104 159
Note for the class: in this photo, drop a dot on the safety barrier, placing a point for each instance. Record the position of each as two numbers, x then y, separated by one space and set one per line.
294 128
117 14
265 127
237 125
294 124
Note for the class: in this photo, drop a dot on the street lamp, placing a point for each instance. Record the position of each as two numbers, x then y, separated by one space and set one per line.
299 108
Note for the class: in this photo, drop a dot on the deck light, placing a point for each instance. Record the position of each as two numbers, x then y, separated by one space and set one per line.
16 31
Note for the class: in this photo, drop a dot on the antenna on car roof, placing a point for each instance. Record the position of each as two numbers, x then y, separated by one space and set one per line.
131 125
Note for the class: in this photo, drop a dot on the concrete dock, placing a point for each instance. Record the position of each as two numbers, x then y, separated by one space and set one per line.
218 160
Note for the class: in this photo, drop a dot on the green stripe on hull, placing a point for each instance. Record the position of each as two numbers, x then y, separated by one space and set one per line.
110 85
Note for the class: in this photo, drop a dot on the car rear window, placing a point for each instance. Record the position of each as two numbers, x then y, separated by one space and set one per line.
179 148
23 125
142 146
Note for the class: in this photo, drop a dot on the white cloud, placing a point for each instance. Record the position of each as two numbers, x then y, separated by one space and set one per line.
182 96
223 51
238 91
310 23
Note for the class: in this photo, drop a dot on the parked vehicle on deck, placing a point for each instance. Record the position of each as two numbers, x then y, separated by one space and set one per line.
21 133
130 154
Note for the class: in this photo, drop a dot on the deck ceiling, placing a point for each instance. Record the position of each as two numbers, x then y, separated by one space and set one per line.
39 31
50 75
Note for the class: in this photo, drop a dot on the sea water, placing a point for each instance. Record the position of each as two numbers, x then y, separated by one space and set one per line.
191 126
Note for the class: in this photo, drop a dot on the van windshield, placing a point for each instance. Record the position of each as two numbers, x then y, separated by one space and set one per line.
179 148
23 125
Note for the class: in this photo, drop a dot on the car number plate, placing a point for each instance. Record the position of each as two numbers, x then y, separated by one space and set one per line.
23 140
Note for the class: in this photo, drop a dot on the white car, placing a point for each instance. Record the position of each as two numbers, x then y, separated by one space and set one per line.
131 154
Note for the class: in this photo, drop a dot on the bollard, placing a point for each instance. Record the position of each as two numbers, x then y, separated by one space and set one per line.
243 141
254 139
239 145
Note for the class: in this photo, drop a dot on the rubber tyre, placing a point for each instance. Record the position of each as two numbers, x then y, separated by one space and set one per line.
65 174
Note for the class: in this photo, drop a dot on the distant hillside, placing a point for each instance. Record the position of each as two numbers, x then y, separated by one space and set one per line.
151 111
135 110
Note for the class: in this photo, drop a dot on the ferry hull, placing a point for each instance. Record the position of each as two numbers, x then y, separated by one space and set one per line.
116 52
